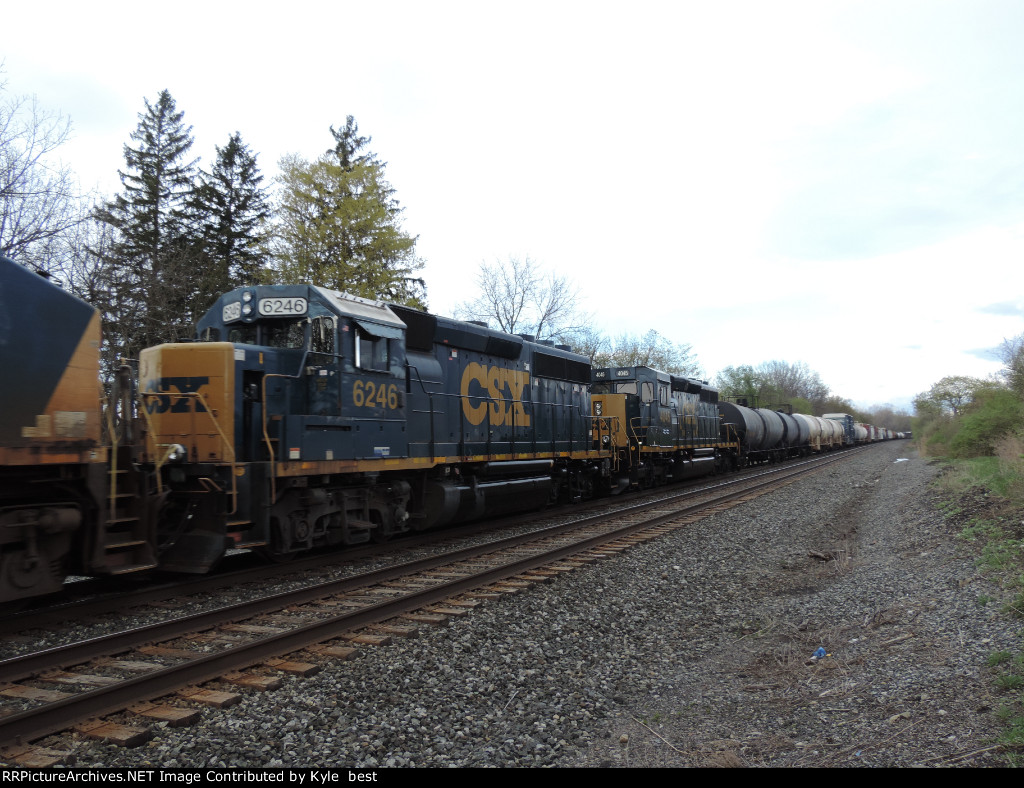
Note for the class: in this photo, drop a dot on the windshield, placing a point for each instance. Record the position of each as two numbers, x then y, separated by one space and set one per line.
284 334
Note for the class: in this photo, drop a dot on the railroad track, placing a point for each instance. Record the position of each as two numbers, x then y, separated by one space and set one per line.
90 600
128 670
95 598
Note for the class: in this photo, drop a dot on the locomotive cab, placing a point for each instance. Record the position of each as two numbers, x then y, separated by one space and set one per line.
287 390
670 423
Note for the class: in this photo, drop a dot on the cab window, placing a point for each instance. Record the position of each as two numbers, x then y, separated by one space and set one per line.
284 334
322 335
372 352
242 335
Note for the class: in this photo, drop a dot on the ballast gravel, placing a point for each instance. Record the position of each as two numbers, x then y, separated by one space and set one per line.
694 649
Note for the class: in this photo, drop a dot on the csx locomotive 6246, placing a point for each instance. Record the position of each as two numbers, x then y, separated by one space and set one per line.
306 417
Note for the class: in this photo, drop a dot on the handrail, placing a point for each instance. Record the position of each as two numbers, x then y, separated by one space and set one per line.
229 449
112 472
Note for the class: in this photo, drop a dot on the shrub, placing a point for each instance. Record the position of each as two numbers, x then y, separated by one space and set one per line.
994 414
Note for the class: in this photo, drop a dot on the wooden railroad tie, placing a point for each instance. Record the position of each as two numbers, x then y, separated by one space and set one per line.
215 698
336 652
124 735
174 716
256 681
33 757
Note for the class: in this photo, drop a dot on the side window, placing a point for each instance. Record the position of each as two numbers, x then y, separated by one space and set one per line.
663 395
647 391
322 335
372 352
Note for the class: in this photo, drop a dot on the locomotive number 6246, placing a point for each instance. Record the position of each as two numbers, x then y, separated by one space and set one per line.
283 306
374 395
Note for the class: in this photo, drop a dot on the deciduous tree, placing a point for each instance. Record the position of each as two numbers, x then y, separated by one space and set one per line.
1012 354
954 392
39 203
518 296
339 225
651 350
775 382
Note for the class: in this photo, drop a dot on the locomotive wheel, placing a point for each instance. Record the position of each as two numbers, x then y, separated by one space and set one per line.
22 575
275 551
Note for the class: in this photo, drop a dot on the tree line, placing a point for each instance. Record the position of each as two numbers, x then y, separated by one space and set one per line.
155 256
518 296
962 416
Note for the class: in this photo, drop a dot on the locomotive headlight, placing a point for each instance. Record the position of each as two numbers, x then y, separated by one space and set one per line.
606 439
247 296
598 408
176 453
247 309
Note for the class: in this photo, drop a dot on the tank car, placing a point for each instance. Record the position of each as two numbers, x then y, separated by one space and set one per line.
762 432
848 426
305 417
69 502
796 434
814 430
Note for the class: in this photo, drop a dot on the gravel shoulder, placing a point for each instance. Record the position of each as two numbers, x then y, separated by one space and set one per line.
692 650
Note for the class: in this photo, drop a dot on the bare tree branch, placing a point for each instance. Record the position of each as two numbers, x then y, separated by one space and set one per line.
38 193
518 297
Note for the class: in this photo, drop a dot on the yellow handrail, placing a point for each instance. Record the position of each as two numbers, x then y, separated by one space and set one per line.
229 449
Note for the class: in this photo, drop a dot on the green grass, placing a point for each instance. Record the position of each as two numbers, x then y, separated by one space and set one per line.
980 529
996 485
1000 555
1013 736
999 658
1010 681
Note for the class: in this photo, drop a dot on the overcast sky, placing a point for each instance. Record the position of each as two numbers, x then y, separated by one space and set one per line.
835 183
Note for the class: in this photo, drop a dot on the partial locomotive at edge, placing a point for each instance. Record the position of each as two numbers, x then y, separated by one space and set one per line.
302 418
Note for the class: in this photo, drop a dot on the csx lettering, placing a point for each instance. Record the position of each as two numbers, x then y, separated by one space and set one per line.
492 384
168 402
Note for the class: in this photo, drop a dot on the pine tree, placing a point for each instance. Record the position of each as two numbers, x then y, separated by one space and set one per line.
150 263
230 210
339 225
